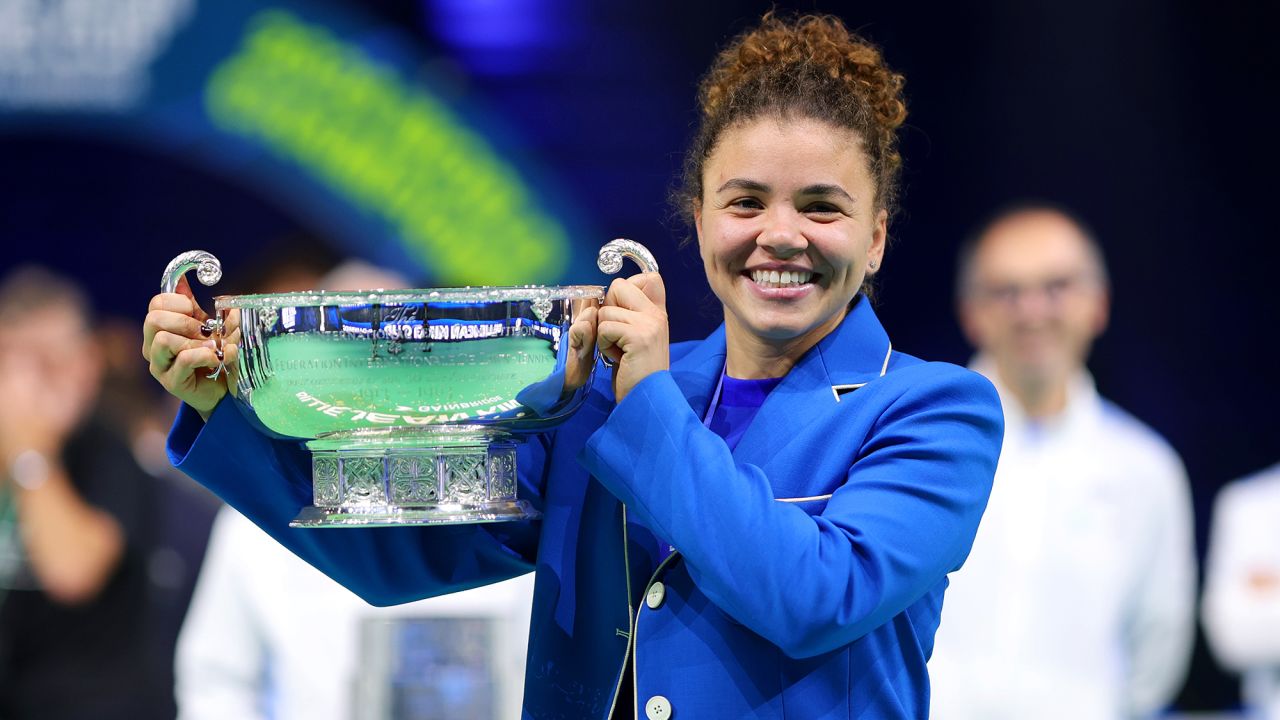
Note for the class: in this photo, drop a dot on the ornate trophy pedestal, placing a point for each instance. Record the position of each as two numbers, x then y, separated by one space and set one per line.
413 476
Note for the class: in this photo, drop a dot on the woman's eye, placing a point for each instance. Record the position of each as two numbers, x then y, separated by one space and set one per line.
822 209
747 203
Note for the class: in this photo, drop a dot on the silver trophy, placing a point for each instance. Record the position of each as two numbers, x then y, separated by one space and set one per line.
411 401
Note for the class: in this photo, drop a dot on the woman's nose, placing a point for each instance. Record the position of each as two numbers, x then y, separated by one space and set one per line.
781 236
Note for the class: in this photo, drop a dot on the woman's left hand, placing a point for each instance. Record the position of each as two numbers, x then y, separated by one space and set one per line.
632 330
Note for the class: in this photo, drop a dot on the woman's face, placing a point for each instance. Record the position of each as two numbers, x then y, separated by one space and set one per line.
787 228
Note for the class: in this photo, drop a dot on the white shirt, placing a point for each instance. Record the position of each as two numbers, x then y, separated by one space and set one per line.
1241 609
269 636
1077 600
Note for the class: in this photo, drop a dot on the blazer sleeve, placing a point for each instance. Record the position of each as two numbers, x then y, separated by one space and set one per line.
905 515
269 480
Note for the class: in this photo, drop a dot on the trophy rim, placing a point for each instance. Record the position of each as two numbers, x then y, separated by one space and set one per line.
396 516
400 436
468 294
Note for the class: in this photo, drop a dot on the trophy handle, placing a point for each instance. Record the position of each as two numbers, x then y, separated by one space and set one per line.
610 258
610 262
208 271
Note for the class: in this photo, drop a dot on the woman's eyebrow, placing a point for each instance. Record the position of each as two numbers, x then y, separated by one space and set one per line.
744 184
827 189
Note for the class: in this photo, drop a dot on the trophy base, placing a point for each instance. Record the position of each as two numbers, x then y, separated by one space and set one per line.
430 475
316 517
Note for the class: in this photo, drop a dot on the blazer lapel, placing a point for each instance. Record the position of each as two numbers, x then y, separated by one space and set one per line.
853 354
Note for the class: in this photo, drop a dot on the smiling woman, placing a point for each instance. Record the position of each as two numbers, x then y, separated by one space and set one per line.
788 235
727 530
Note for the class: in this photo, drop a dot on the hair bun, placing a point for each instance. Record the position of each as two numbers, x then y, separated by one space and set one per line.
809 67
818 44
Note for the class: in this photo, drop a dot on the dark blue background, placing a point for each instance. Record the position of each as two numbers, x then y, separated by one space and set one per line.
1153 120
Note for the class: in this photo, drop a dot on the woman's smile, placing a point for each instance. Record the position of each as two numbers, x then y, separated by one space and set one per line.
781 279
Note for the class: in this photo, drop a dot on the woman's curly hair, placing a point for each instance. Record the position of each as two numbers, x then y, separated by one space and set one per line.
811 67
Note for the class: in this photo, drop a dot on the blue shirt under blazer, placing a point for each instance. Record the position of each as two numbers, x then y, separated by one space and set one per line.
811 561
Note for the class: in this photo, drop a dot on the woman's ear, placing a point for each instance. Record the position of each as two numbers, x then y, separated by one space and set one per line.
879 238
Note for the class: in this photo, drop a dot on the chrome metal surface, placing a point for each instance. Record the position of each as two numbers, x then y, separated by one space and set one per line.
609 260
208 269
411 400
208 272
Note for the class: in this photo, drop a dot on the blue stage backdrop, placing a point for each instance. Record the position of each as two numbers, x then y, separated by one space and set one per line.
337 122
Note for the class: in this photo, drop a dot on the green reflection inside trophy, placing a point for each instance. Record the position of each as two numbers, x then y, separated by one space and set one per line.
324 384
412 402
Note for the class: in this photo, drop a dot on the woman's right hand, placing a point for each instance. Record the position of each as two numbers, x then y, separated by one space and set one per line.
180 353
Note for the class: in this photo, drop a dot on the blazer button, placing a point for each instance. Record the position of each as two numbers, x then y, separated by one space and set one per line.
657 593
658 708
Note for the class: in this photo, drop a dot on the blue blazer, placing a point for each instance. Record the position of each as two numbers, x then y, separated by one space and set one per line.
810 564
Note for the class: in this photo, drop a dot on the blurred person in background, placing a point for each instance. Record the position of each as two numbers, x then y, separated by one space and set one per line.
269 636
1241 609
180 513
76 639
1077 599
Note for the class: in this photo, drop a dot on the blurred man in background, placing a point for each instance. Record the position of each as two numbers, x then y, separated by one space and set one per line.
1077 599
1242 587
75 636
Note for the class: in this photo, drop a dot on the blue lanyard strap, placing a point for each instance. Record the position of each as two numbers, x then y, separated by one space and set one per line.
715 401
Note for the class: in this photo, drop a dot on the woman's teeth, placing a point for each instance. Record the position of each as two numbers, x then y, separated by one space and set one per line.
775 279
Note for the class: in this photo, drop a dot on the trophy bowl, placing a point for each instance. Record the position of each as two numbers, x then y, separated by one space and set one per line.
411 402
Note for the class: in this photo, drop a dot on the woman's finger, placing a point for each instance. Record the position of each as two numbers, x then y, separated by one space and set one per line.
180 378
188 361
618 327
608 339
620 321
614 313
171 322
159 354
624 293
173 302
184 288
164 302
616 334
165 346
609 344
652 286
